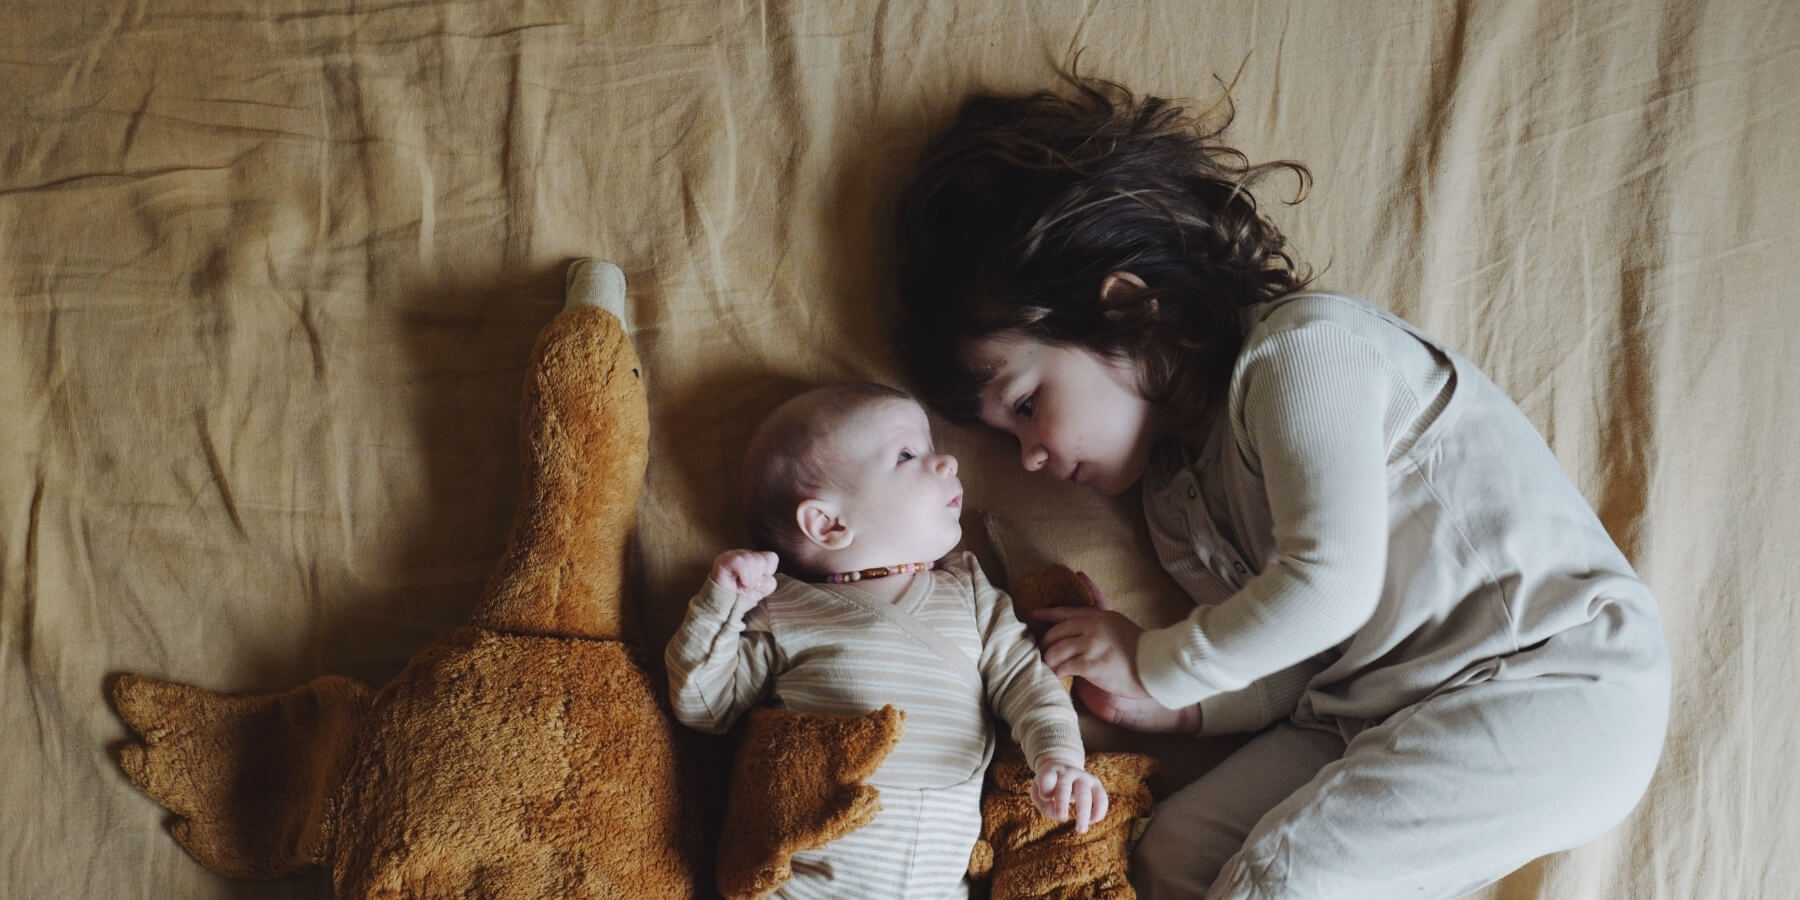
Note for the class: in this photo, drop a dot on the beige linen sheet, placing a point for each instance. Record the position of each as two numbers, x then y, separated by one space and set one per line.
271 272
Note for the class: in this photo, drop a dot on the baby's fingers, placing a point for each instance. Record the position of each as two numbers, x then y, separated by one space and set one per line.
1065 794
1043 795
1097 804
1084 808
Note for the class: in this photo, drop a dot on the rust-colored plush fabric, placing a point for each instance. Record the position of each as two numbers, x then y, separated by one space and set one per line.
529 755
583 438
1024 855
798 785
251 780
509 766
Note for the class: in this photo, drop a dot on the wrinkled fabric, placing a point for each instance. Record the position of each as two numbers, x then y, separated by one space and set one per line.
271 273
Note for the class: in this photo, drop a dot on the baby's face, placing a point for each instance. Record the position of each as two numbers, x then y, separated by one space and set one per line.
900 497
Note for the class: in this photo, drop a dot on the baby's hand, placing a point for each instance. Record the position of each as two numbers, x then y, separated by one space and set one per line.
1058 783
750 573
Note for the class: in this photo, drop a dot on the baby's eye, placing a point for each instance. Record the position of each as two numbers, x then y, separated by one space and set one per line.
1026 406
906 455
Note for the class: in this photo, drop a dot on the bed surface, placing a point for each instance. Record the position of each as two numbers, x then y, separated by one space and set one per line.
271 274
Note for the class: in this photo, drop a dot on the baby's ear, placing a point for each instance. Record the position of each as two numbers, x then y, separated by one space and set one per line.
819 522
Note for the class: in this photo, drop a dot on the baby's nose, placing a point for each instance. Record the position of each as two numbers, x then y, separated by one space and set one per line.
946 464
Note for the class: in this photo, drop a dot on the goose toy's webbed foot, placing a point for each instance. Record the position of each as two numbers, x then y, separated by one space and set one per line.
799 782
250 779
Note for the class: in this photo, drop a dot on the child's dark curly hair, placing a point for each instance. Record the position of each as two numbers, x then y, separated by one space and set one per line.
1022 208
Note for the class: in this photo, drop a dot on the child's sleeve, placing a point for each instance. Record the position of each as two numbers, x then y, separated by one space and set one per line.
1265 700
720 664
1314 405
1020 688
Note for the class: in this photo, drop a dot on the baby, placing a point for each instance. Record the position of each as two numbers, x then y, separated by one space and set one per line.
847 496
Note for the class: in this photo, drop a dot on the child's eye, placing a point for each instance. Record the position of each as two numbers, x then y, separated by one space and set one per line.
906 455
1026 406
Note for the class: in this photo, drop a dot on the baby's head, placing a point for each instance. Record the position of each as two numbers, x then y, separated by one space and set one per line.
845 477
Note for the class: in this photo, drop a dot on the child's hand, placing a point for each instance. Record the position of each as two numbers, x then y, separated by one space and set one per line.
1147 716
1057 783
750 573
1095 643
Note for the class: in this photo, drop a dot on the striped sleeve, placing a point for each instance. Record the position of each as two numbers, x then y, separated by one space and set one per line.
1020 688
719 664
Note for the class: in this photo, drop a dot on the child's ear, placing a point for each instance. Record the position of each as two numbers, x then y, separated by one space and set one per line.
821 525
1120 288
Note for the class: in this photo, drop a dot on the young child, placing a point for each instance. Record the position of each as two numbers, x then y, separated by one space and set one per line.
1449 666
848 496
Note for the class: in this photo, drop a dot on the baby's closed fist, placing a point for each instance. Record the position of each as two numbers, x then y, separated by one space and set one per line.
1057 786
747 572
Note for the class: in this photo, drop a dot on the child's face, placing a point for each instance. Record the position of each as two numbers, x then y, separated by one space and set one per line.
900 496
1078 416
